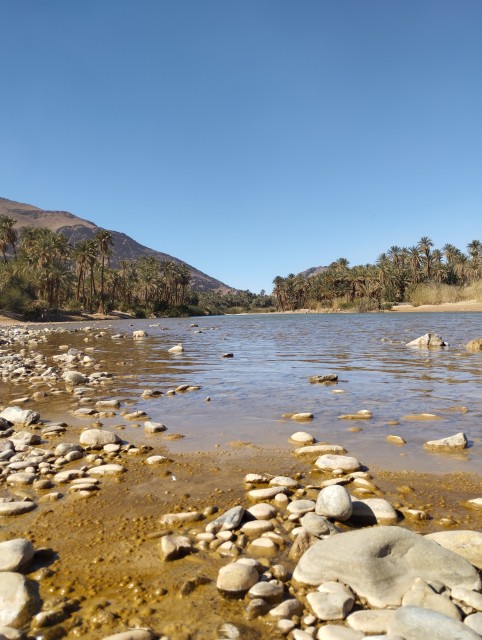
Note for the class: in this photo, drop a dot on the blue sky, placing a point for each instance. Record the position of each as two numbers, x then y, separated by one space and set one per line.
250 138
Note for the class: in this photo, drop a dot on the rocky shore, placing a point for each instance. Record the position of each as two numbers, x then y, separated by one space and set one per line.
103 538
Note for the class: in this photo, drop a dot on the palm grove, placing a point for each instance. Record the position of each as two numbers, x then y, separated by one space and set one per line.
42 271
420 274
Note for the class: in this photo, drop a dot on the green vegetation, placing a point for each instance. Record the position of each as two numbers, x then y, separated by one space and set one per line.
41 272
419 275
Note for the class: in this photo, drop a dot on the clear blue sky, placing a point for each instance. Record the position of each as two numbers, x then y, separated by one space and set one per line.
250 138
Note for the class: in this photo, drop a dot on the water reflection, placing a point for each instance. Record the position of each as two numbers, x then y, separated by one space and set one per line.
273 358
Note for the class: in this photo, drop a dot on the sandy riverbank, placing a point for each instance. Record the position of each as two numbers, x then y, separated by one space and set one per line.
446 307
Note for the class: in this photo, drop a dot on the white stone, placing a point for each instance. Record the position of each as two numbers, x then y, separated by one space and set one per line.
334 502
236 578
16 555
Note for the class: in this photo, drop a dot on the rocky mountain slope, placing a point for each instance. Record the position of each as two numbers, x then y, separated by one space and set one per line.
75 228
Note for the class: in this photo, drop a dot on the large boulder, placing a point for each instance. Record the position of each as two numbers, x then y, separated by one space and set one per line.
16 415
381 563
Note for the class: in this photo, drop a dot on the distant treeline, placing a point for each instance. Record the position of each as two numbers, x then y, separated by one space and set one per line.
420 274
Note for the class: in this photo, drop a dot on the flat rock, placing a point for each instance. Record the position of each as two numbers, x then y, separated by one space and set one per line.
381 563
74 377
373 511
371 621
17 600
300 507
287 609
329 462
156 460
420 624
106 470
456 442
338 632
180 518
320 449
265 494
270 592
334 502
302 417
132 634
465 543
16 508
16 555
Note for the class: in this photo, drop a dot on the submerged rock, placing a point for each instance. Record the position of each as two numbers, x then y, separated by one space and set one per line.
428 340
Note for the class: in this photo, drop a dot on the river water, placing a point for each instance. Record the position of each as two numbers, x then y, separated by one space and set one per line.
274 355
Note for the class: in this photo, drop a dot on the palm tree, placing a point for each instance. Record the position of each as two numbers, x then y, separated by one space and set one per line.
8 236
104 240
424 245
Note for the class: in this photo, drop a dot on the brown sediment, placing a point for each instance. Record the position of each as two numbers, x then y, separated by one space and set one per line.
107 552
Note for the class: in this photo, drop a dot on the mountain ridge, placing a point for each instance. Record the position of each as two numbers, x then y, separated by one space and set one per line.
76 228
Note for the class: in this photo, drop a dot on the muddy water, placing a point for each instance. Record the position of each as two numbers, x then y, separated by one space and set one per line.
105 549
268 376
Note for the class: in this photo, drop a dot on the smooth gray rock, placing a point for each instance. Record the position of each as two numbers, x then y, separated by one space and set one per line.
329 605
106 470
287 609
97 438
74 377
334 502
381 563
17 600
270 592
16 555
16 415
424 624
66 447
474 622
465 543
317 526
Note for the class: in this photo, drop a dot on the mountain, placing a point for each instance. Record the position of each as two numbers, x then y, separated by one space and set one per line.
75 228
313 271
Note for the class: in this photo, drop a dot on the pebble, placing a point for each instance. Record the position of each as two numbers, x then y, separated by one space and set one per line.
236 578
334 502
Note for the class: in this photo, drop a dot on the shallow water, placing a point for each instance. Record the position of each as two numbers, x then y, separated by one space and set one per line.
274 355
